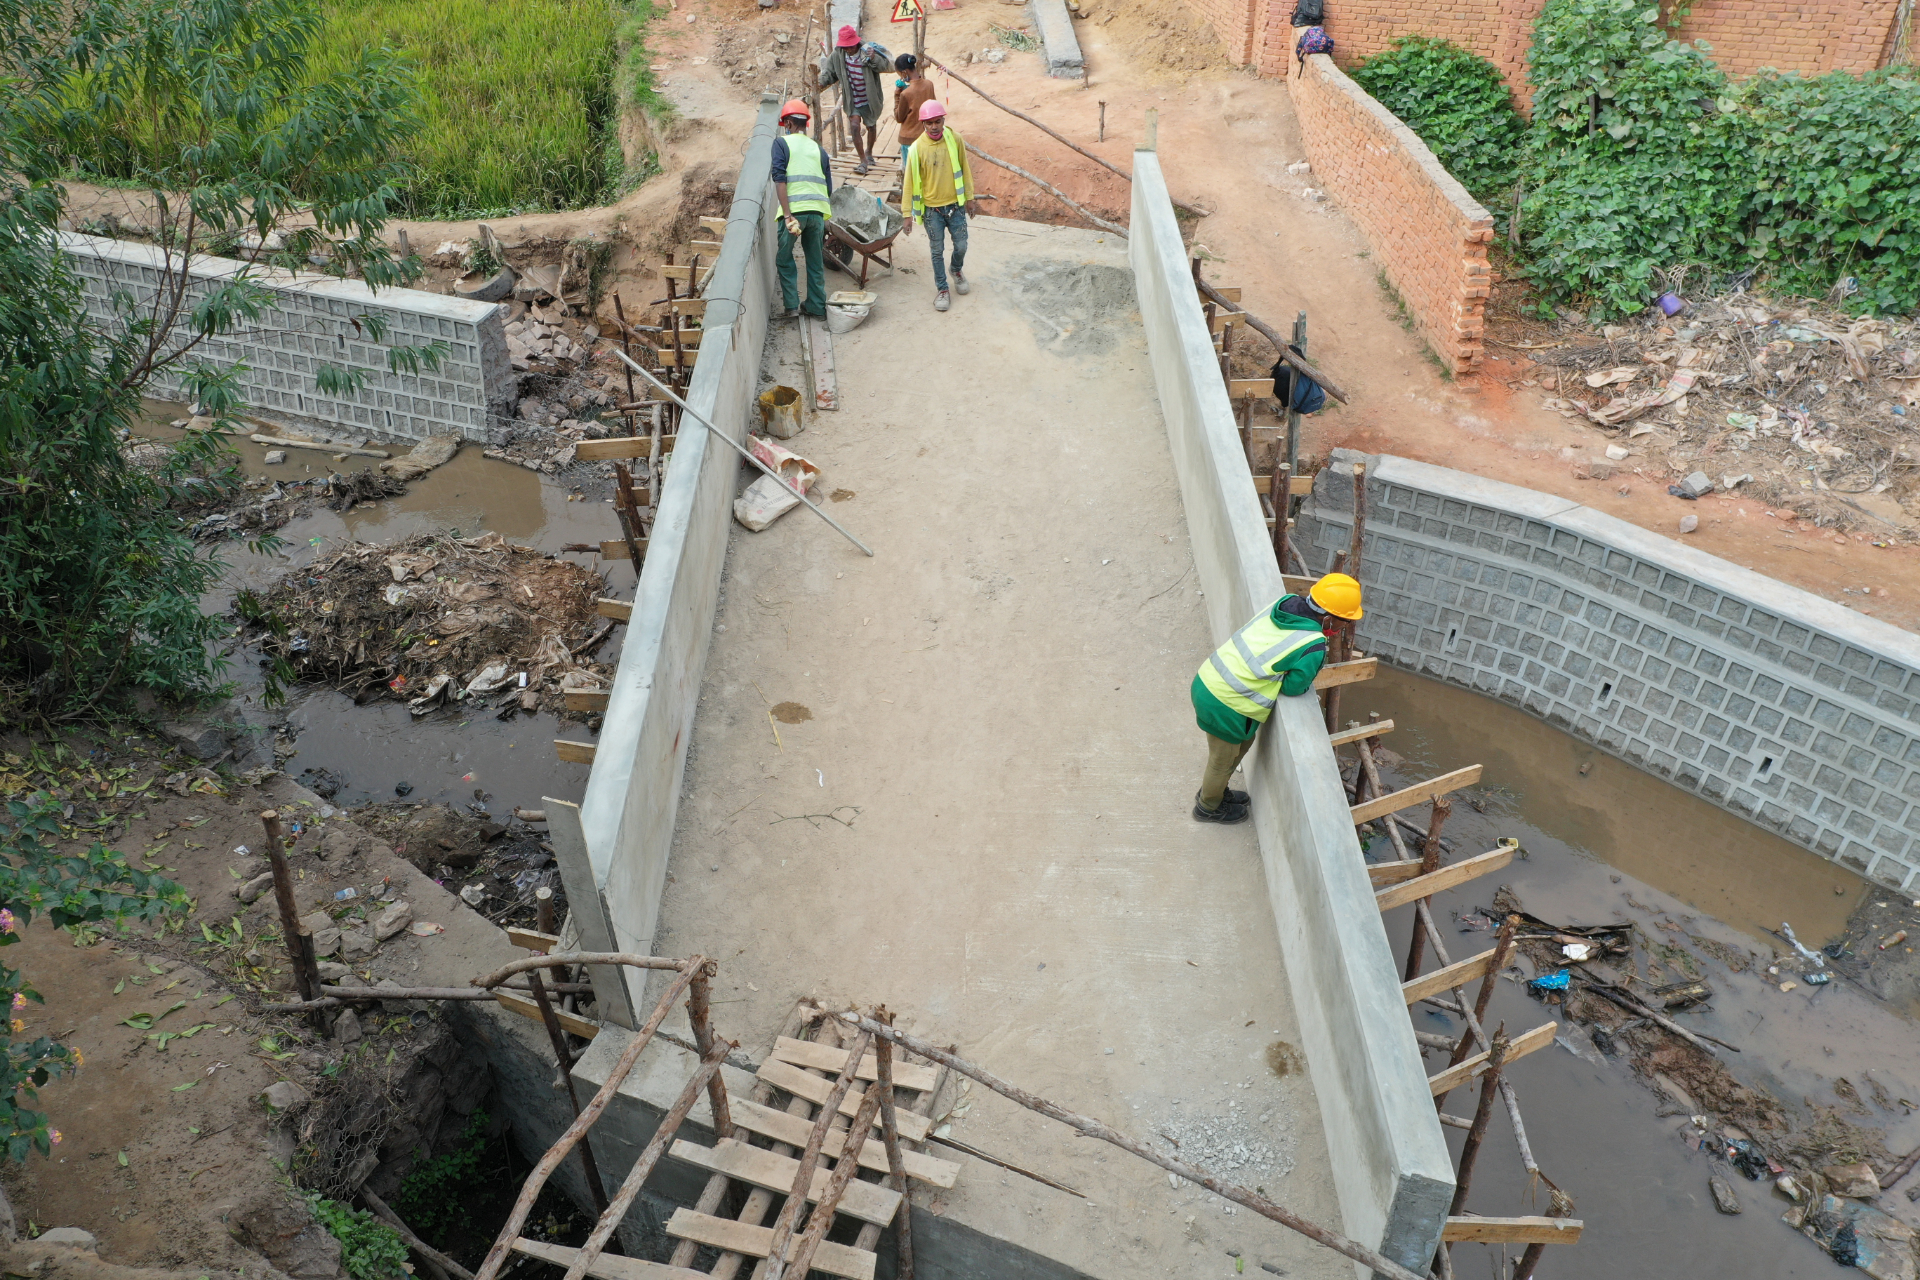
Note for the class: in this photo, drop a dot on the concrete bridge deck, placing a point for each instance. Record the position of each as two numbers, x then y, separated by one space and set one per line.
976 807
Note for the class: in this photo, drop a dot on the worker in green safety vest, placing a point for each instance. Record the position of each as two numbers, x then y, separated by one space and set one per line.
1277 655
803 179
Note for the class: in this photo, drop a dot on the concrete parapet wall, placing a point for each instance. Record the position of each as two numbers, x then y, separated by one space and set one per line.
1058 43
1789 710
625 822
1429 236
1390 1163
313 325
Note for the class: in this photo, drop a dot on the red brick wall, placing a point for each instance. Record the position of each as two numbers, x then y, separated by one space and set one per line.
1809 36
1426 232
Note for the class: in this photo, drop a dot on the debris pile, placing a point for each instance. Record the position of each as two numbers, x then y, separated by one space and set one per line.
437 619
539 339
1810 407
495 867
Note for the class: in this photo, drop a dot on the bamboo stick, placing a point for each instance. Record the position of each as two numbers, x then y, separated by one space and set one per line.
623 1199
564 1057
543 1169
1051 190
698 1014
570 958
890 1133
306 967
829 1203
1096 1129
810 1158
281 442
1477 1131
432 1258
1429 863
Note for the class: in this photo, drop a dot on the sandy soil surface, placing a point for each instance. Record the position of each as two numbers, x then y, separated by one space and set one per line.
956 778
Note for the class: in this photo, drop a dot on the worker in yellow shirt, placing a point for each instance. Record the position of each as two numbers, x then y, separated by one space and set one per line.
939 186
1277 655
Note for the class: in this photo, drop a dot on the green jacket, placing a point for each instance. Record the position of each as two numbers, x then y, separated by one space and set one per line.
1297 672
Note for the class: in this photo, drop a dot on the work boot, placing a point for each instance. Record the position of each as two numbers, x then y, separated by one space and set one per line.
960 284
1236 797
941 301
1228 812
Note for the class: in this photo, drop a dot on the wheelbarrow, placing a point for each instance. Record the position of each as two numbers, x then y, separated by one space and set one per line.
861 227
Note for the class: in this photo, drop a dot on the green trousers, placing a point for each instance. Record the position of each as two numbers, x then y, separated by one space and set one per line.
813 236
1223 758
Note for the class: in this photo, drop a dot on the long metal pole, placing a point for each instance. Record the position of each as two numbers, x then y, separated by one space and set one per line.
736 447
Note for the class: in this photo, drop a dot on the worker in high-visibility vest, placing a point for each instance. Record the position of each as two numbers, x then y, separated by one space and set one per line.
1277 655
803 179
939 193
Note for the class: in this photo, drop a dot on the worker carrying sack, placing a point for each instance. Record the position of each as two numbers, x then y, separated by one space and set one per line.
1295 390
1310 13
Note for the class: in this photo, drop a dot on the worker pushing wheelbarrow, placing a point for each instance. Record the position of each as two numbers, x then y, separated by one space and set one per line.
861 226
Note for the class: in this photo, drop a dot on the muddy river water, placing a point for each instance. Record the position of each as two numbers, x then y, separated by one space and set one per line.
1603 843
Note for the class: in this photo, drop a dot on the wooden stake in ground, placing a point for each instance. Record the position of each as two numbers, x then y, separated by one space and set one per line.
306 968
1266 331
890 1133
1429 863
1477 1132
564 1056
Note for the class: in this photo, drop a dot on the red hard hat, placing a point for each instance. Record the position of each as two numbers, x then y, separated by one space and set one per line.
795 107
931 110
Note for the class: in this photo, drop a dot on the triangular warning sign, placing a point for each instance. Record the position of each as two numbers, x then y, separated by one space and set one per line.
908 10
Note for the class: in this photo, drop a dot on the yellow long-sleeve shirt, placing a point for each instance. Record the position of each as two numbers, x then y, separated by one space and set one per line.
930 173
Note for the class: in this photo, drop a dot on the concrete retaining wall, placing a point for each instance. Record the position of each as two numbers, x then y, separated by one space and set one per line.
1787 709
1390 1162
313 325
1428 235
613 849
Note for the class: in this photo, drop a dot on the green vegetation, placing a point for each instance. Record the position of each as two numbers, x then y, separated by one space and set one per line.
1644 160
73 889
516 96
1458 104
207 107
369 1248
439 1194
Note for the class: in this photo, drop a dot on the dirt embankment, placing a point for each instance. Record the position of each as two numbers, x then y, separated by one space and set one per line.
199 1114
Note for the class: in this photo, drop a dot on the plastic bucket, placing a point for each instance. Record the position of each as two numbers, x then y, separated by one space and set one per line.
780 412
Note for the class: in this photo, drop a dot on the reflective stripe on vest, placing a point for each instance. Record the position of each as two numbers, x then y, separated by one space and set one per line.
1240 672
806 176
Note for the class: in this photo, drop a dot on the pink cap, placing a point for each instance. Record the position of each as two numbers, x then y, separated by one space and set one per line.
931 110
848 38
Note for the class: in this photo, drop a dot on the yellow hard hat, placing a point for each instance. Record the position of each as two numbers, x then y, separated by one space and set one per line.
1339 595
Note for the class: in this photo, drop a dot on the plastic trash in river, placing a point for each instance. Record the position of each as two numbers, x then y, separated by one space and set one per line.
1786 931
1558 981
1671 304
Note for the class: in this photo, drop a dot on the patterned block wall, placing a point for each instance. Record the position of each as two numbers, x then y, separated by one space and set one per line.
1789 710
471 395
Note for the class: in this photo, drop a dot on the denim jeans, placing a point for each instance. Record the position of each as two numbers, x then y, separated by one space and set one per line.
939 221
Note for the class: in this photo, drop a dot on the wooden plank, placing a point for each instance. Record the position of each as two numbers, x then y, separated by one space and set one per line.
618 610
1407 797
707 246
1457 974
617 447
756 1242
826 387
573 752
585 701
532 939
718 226
1522 1045
785 1075
608 1266
1339 673
1231 295
617 550
1249 388
1294 582
1382 874
1445 878
1373 730
671 359
867 1201
1226 320
1535 1230
527 1009
676 273
1297 486
825 1057
689 306
793 1131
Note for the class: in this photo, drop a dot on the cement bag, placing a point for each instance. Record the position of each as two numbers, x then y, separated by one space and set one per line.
846 319
767 499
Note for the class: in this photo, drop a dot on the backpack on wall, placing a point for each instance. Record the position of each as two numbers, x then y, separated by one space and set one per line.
1295 390
1313 40
1310 13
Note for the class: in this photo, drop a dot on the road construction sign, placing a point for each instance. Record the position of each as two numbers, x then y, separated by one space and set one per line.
908 10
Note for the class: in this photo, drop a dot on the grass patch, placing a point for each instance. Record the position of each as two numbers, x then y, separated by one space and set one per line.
517 97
